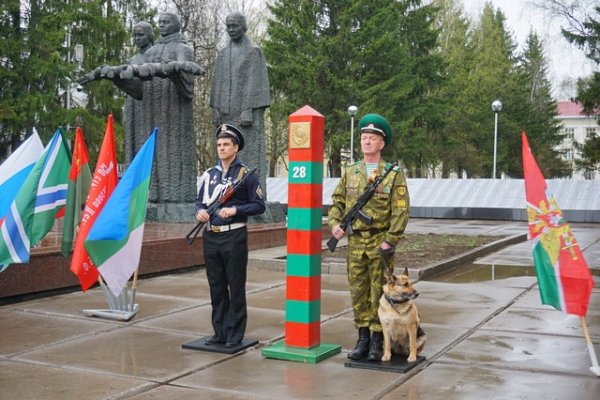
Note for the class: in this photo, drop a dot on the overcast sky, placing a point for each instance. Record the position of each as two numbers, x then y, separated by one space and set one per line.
564 60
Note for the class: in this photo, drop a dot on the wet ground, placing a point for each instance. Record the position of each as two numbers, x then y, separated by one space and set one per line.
487 339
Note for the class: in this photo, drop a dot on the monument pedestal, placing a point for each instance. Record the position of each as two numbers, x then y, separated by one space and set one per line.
171 212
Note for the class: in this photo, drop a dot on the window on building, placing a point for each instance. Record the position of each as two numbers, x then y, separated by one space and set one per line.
590 133
569 133
569 155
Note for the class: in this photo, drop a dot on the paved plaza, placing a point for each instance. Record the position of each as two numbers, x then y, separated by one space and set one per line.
485 340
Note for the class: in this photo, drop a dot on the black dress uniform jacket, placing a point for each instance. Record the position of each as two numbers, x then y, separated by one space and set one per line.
247 199
226 249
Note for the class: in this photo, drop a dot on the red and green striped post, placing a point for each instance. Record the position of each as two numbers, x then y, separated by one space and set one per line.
304 238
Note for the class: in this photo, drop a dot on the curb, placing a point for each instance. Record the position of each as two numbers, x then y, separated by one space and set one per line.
416 274
443 266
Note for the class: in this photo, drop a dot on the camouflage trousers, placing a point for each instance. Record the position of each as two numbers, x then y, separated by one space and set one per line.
365 276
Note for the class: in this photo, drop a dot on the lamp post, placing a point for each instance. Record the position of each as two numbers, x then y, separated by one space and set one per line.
496 108
352 110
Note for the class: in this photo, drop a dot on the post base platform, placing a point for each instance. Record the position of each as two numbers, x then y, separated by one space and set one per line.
199 344
313 355
117 315
398 363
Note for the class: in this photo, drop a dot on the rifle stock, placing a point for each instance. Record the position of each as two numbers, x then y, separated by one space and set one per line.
194 232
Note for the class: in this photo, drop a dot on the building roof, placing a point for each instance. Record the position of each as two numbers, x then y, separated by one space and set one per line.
570 109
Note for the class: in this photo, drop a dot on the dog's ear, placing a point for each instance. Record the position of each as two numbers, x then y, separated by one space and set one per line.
389 277
406 271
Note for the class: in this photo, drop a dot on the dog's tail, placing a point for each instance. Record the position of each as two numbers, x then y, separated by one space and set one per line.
421 338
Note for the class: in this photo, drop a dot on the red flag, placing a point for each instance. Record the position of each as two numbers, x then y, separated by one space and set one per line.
80 178
103 183
563 276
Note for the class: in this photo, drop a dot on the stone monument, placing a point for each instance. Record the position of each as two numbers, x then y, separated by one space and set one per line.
162 79
240 92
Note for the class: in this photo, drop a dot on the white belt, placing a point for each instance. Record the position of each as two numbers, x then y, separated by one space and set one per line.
225 228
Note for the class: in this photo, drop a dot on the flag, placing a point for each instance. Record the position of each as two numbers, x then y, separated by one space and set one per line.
103 183
563 276
41 196
115 240
79 184
15 169
13 172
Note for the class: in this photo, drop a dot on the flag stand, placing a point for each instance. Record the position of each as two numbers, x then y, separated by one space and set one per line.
121 307
594 368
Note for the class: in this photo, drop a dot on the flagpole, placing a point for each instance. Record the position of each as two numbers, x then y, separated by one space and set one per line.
134 287
594 368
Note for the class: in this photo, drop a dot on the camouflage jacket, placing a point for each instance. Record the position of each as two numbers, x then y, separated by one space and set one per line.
388 206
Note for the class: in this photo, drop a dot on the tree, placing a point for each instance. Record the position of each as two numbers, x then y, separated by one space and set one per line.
481 69
37 39
374 54
33 69
456 151
582 29
538 113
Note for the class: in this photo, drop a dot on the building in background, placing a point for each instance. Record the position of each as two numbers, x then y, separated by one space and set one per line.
577 128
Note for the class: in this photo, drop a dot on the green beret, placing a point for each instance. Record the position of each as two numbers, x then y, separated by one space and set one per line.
375 123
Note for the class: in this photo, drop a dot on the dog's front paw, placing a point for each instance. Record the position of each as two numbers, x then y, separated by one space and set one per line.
386 357
412 358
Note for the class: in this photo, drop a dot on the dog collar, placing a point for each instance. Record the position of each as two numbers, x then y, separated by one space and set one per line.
392 300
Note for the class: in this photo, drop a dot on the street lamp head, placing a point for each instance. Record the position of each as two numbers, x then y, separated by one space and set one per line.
497 106
352 110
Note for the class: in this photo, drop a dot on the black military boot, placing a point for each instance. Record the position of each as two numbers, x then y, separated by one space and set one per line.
362 345
376 349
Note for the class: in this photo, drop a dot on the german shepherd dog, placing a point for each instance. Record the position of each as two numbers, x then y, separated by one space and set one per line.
399 318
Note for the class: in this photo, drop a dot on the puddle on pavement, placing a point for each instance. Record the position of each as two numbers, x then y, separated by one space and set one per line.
470 273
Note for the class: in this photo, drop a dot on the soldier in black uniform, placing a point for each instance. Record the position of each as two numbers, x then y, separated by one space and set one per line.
226 237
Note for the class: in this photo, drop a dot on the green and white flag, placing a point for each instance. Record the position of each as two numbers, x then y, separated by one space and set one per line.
114 242
34 209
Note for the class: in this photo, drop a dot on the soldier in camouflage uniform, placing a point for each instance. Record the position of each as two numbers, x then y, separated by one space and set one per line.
389 209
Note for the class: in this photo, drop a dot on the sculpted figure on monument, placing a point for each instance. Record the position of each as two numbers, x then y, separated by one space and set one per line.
163 80
240 91
133 111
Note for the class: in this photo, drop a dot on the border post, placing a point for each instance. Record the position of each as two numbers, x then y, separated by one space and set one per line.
304 238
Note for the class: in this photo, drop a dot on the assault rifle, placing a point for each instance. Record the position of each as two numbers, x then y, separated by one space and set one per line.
356 210
215 206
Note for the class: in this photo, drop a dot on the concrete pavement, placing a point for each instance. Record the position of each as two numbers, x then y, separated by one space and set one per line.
490 339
